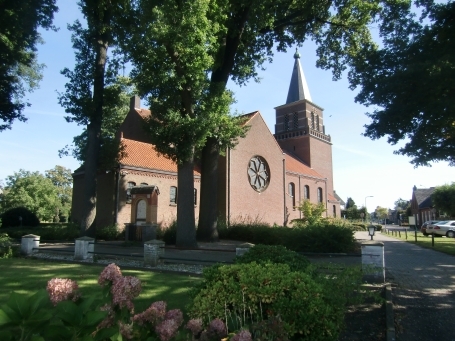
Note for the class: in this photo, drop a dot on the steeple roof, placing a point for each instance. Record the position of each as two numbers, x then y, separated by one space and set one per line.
298 89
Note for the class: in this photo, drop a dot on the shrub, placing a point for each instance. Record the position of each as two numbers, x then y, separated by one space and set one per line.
326 236
277 254
257 234
11 217
62 232
110 232
170 234
6 247
246 295
323 237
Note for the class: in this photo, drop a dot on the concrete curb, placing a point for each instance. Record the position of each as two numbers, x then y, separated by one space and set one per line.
390 320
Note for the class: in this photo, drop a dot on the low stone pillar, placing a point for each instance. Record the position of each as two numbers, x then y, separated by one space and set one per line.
148 232
373 261
29 242
82 247
153 250
243 248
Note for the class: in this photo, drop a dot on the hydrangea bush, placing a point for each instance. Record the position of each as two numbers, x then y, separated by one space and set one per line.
61 312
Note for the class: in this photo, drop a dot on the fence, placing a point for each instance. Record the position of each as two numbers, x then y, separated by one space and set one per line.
152 252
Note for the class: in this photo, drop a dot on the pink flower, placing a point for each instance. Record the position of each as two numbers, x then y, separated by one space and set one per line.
195 325
176 315
167 329
60 289
154 314
217 328
243 335
124 289
109 274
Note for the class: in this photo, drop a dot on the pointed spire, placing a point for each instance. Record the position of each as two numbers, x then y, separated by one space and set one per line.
298 89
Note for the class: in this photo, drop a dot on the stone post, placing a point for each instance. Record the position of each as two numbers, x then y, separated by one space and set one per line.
243 248
373 261
82 247
28 243
153 250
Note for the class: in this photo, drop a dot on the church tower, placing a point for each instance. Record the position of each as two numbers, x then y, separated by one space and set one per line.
299 127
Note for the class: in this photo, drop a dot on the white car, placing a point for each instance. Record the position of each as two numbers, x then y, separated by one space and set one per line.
443 228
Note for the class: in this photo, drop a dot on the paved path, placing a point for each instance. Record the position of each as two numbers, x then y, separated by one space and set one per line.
423 289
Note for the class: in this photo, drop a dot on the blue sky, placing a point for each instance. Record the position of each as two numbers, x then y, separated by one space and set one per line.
361 167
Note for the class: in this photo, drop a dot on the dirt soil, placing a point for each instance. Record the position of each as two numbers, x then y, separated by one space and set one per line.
366 322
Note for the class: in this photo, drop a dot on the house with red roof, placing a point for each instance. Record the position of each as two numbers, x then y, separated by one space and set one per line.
263 178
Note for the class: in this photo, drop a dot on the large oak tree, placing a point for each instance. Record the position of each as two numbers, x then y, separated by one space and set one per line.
85 93
410 83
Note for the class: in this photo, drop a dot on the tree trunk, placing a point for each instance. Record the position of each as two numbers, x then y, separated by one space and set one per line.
93 141
208 212
186 228
90 180
208 208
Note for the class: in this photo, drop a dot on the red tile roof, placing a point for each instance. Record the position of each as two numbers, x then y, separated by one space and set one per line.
144 155
143 112
296 166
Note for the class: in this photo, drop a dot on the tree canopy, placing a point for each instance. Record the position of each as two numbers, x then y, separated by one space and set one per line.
19 69
350 203
63 181
34 191
443 199
410 82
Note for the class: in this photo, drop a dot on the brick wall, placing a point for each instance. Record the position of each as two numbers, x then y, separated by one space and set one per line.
245 202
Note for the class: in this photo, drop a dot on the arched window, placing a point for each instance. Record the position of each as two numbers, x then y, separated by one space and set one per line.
141 211
195 197
173 195
306 192
144 184
312 120
291 192
128 191
317 123
320 197
334 211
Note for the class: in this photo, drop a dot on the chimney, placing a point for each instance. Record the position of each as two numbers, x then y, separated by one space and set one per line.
135 102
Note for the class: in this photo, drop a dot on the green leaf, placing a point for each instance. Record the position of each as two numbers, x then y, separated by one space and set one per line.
56 332
93 318
39 300
106 333
117 337
18 303
69 313
5 335
4 318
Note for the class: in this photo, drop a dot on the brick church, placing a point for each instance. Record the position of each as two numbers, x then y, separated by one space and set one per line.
262 179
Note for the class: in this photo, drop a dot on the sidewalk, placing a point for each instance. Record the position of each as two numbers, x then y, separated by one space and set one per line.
423 289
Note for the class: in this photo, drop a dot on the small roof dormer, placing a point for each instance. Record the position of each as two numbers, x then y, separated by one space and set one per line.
298 88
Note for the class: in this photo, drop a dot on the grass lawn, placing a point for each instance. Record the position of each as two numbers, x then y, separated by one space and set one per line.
442 244
29 275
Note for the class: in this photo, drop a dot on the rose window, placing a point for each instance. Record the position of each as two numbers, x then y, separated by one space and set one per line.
258 173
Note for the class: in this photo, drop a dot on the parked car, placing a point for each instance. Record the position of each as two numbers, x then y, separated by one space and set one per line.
443 228
423 229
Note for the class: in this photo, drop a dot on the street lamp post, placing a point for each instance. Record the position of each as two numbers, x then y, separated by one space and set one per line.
366 211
